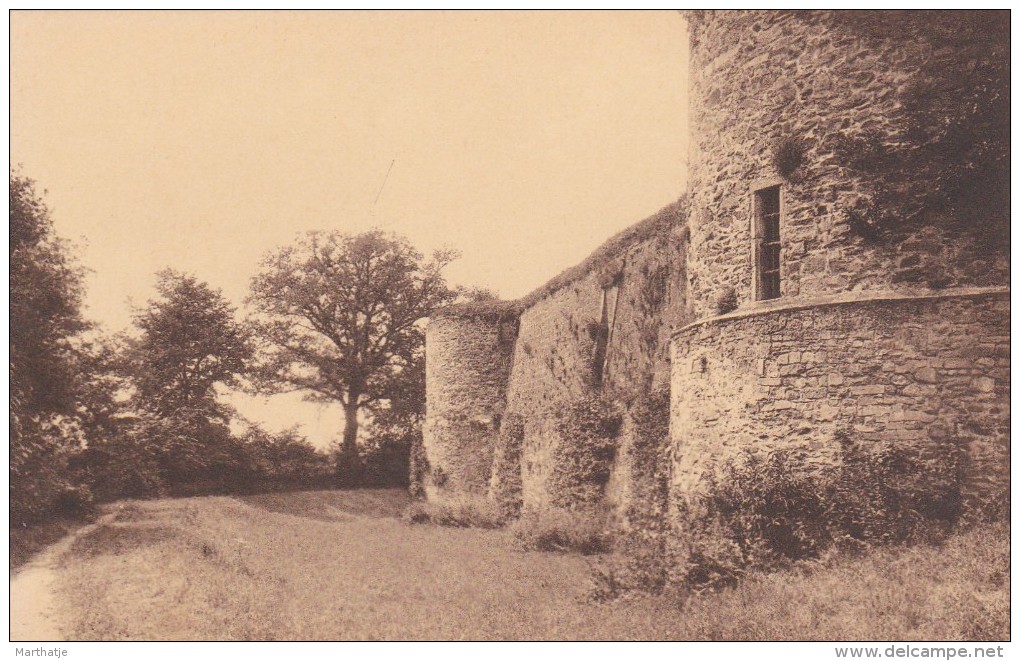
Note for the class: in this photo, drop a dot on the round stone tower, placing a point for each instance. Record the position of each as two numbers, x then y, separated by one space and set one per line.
848 260
468 355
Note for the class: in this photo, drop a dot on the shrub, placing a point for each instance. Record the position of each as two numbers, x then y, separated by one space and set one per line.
788 155
641 562
39 468
764 512
556 529
387 456
583 459
460 511
767 511
890 494
727 301
283 459
76 502
121 466
769 504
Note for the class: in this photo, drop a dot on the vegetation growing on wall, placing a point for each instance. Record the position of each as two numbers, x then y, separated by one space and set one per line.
642 551
788 154
652 296
953 139
418 465
582 460
649 459
768 511
507 488
727 301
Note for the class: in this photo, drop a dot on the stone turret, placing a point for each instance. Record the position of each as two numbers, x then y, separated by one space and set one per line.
468 353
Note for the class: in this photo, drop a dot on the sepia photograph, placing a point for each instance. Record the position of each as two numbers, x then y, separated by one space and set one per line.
478 325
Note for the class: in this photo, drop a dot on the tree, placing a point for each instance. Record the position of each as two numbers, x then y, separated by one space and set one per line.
395 433
45 318
45 308
190 342
341 316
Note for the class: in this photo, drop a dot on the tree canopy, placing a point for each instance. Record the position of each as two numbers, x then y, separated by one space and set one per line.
45 307
45 320
190 342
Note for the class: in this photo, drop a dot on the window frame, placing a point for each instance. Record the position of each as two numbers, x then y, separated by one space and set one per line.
759 284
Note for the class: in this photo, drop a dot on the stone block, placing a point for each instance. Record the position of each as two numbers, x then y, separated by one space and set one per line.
983 384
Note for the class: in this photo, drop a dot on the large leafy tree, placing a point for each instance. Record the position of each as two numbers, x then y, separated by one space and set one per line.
341 318
190 341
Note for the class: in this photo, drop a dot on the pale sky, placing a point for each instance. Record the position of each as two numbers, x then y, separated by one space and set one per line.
202 140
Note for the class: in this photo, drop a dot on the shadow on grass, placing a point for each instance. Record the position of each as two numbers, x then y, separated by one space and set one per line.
334 505
28 540
110 540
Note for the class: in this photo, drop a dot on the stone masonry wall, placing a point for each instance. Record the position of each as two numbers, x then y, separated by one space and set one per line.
761 77
466 368
901 370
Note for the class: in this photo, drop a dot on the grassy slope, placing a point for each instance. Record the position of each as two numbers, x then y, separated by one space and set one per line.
338 566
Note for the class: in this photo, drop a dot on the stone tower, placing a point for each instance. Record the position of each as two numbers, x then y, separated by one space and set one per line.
848 270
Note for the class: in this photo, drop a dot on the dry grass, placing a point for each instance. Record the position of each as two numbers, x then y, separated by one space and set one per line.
314 565
956 591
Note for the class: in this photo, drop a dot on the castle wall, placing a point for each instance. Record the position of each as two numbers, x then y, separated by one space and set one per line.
898 334
903 370
466 367
554 355
759 78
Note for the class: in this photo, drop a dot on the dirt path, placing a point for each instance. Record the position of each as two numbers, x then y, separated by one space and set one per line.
34 611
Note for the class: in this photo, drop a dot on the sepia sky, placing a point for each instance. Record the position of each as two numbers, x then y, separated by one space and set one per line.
201 140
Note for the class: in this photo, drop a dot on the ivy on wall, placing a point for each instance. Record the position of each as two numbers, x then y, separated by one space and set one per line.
582 461
507 487
953 137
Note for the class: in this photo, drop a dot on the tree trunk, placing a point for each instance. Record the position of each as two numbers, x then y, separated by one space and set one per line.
348 466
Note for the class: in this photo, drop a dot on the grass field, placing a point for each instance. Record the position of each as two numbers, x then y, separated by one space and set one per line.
332 565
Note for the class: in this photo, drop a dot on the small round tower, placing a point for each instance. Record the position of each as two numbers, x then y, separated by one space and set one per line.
468 355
